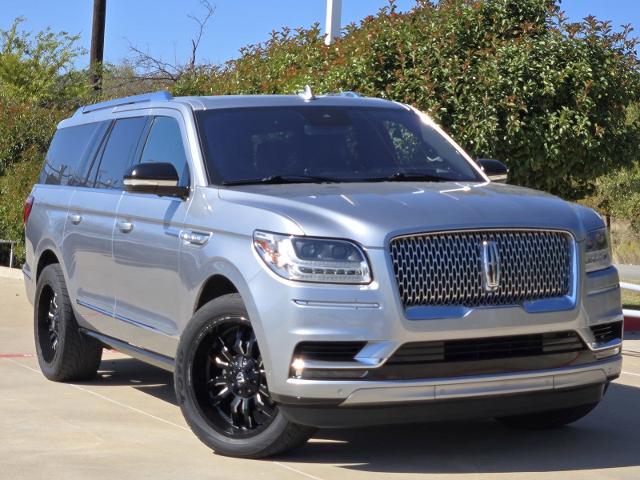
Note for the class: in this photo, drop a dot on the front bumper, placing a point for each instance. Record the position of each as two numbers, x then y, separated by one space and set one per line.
366 393
287 313
456 409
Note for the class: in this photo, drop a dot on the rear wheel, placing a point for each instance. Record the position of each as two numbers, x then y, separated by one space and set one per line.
63 352
221 385
549 419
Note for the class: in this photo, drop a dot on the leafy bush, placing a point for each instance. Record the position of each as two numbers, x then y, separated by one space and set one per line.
617 194
509 79
38 88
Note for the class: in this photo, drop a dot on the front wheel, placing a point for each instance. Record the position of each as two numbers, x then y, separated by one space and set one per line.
221 386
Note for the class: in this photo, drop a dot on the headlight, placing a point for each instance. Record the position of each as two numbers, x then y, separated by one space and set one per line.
312 259
597 251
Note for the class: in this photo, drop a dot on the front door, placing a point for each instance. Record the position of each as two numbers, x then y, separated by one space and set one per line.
147 247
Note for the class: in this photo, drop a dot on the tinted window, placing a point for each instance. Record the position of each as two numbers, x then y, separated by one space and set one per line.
70 151
119 151
164 145
344 143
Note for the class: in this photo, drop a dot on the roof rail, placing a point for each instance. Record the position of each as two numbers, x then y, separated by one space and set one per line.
345 94
117 102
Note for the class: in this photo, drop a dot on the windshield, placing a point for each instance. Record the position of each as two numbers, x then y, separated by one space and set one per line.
326 144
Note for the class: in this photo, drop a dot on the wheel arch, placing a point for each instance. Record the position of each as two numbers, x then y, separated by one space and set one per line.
214 287
47 257
221 277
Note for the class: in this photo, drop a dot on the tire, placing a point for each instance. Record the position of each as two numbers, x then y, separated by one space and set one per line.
207 391
64 353
549 419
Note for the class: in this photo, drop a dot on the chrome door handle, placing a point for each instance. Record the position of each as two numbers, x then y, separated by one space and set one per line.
125 227
195 238
75 218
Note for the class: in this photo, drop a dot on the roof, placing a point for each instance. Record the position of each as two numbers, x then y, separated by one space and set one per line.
105 110
242 101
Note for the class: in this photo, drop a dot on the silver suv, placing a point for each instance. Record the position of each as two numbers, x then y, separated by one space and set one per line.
314 261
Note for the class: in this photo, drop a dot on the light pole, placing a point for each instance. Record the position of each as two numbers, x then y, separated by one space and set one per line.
332 25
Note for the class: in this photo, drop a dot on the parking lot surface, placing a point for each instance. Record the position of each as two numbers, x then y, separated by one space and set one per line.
125 424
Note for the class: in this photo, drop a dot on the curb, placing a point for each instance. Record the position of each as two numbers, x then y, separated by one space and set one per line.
13 273
631 320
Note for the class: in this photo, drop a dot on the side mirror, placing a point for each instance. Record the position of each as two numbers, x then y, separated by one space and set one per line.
158 178
494 169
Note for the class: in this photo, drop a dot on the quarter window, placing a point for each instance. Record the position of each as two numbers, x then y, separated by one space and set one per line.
70 151
164 145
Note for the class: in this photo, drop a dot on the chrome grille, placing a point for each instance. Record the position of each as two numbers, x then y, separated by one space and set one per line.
446 269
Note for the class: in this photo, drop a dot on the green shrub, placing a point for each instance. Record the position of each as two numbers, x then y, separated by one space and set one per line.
617 194
38 88
509 79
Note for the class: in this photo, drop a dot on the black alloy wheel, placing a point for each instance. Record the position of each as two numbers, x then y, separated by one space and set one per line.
229 380
49 323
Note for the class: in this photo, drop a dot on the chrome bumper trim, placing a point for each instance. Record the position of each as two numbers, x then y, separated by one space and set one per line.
480 386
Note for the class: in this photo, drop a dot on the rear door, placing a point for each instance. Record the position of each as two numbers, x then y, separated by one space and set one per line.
63 172
147 244
88 243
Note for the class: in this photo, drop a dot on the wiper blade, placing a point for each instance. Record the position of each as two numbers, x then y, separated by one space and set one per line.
409 177
275 179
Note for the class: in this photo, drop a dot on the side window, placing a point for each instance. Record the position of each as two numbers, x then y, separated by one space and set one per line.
164 145
69 152
119 151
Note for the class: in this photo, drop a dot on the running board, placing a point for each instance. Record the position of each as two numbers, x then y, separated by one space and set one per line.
166 363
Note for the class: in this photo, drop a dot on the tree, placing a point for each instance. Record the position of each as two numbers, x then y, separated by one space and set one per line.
509 79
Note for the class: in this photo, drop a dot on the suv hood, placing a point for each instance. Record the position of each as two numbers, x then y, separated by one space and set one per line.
372 213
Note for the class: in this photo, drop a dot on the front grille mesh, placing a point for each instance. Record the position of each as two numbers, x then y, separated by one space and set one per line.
445 269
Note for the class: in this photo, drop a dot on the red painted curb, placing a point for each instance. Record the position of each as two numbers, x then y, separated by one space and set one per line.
631 324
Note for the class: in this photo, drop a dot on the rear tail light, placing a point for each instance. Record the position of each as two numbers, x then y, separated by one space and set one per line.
28 205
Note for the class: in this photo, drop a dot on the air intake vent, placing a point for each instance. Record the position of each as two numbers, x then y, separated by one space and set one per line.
328 351
486 348
607 332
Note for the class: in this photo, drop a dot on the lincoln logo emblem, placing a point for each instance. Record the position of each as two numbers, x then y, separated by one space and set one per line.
490 266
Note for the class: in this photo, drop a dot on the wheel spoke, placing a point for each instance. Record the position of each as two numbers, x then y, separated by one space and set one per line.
235 405
224 351
237 346
251 344
224 393
220 363
217 382
246 412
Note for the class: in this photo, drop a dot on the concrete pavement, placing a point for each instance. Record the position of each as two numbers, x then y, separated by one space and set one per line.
629 273
125 424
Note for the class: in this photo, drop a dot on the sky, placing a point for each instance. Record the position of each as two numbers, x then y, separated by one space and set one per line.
162 27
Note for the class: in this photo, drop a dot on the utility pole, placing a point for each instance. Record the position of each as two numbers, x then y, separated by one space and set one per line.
97 43
332 25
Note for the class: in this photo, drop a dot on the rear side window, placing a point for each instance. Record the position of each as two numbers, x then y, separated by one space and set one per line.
164 145
119 151
71 150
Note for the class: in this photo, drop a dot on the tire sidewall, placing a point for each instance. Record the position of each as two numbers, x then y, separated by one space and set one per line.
51 277
209 317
